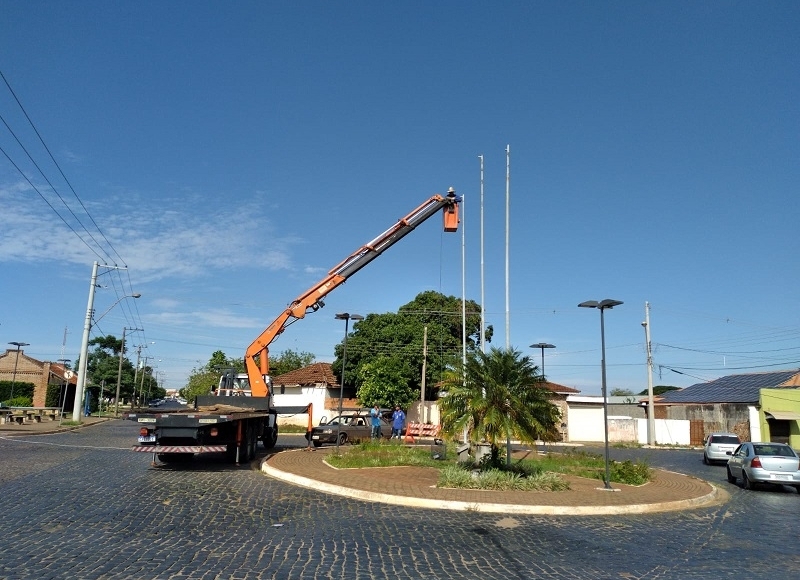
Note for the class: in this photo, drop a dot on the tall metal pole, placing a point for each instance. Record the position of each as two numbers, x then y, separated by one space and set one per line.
603 305
607 482
651 417
346 316
341 383
84 354
483 295
508 305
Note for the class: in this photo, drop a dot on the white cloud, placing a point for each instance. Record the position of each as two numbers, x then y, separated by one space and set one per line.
182 236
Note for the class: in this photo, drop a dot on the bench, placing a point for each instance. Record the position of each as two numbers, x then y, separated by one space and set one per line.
421 430
35 414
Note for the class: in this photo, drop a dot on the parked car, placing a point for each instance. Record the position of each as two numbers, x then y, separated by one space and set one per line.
354 427
773 463
719 447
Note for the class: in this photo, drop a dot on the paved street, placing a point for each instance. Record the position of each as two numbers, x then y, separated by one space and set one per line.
81 505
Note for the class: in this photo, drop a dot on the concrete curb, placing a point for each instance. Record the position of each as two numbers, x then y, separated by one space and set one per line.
716 496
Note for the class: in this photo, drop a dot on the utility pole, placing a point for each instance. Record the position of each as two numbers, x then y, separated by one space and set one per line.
651 419
119 371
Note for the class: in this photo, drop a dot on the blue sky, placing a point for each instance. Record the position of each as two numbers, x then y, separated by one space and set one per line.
230 154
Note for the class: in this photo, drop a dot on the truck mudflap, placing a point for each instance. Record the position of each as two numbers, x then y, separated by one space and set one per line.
180 448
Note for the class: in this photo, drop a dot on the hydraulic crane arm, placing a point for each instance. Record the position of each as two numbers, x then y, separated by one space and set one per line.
257 355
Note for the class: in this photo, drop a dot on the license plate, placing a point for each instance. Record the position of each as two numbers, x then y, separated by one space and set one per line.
782 477
147 438
315 436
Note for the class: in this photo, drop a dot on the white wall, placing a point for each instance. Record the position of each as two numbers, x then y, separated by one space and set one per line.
301 396
585 424
668 431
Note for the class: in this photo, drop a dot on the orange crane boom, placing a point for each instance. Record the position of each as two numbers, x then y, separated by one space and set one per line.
257 355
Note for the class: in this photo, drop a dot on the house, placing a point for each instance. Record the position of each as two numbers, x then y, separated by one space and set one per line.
559 399
735 403
315 384
16 366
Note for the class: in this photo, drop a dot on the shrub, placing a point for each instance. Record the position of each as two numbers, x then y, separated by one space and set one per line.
455 476
629 473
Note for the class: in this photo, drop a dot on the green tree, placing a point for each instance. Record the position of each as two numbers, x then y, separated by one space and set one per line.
496 395
204 378
289 360
384 383
102 368
400 336
618 392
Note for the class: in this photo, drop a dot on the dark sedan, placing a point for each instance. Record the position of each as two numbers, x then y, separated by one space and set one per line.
354 428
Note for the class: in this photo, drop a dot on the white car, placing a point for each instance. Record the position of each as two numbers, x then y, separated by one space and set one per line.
773 463
719 447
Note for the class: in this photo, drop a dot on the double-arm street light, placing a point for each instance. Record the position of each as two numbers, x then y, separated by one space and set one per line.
347 317
19 345
606 304
543 345
87 327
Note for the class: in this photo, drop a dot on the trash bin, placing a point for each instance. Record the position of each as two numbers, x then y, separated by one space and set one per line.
438 449
482 450
462 452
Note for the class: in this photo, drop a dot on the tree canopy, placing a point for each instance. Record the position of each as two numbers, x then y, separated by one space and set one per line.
205 377
398 337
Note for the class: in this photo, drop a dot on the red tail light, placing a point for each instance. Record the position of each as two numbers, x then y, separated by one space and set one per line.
213 432
756 462
143 432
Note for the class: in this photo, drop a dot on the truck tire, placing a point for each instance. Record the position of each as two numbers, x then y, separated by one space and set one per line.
270 437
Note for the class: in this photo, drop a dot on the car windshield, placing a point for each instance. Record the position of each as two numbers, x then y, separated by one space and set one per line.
774 450
344 420
730 439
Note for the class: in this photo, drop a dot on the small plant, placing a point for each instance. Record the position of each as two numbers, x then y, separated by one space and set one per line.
629 473
455 476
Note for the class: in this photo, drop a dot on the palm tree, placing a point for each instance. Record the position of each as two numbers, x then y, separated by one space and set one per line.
498 394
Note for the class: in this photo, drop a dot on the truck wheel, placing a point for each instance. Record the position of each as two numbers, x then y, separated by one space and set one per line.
270 437
252 441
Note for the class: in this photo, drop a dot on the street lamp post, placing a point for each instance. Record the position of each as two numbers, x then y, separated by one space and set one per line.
84 354
606 304
347 317
543 345
67 376
16 362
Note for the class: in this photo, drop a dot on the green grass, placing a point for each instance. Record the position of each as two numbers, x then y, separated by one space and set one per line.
292 429
582 464
541 473
390 454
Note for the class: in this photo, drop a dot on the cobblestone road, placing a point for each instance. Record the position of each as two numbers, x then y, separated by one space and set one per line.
81 505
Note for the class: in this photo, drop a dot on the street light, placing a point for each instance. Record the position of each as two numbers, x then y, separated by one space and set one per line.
16 362
606 304
67 376
543 345
347 317
87 327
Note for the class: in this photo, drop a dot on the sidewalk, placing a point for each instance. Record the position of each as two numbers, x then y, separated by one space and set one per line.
416 487
32 428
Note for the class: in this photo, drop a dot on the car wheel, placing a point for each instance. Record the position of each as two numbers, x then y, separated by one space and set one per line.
342 438
705 459
797 487
731 479
316 443
746 483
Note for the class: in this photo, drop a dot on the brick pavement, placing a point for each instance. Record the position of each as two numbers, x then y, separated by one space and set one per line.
416 486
